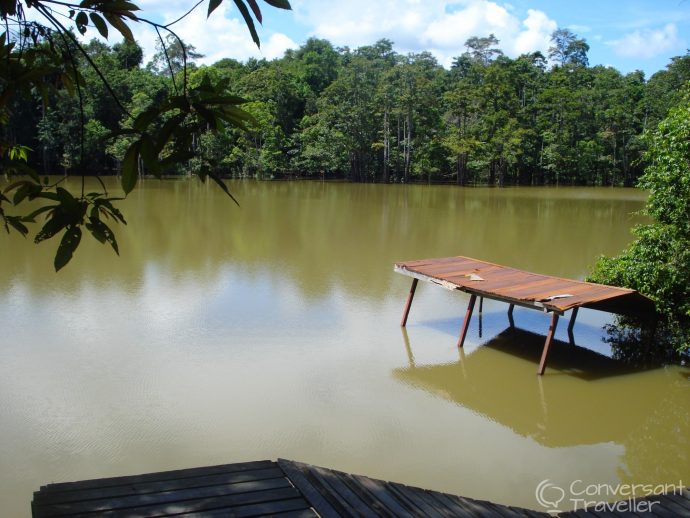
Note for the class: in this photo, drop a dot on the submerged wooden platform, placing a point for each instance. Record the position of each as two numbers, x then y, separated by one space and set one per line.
553 295
284 488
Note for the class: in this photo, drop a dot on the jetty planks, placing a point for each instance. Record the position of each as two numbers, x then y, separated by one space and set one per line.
245 489
518 286
284 488
547 293
262 488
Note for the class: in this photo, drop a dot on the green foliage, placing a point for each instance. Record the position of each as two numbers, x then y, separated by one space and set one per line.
365 114
83 91
657 263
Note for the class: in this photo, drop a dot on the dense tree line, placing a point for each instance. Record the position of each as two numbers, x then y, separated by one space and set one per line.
372 114
657 263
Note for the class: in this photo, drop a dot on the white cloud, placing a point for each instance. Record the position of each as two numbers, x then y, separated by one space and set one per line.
441 26
220 36
648 43
537 33
276 46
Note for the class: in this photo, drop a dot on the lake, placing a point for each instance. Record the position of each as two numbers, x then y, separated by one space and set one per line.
225 334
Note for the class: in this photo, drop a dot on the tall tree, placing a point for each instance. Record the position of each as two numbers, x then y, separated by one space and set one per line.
483 50
566 48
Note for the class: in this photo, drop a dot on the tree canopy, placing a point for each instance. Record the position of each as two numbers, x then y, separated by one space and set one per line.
368 114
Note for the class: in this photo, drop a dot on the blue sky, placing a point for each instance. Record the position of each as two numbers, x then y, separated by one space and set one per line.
626 34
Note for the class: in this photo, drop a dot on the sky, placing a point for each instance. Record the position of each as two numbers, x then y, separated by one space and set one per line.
626 34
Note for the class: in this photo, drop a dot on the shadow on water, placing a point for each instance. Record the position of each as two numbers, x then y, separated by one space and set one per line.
584 398
573 358
564 358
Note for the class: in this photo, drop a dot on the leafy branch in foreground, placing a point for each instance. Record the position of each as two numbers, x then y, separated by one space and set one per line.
657 263
43 59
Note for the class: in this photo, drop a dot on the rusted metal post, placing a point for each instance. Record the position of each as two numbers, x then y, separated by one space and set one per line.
510 315
466 323
547 344
571 325
406 311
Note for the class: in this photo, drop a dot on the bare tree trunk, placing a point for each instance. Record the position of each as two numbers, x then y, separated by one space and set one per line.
615 150
459 170
386 146
408 144
462 168
626 167
397 155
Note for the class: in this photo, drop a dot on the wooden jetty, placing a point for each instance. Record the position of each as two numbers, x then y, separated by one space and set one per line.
552 295
283 488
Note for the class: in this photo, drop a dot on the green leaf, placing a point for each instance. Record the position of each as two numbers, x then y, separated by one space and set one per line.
177 101
208 115
24 191
280 4
239 113
105 205
222 185
212 6
100 24
130 167
145 118
102 232
255 9
64 195
82 20
15 222
68 244
168 129
54 225
176 158
149 155
116 21
32 216
248 20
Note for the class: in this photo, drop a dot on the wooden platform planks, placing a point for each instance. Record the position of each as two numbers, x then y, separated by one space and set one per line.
286 489
518 286
546 293
356 495
246 489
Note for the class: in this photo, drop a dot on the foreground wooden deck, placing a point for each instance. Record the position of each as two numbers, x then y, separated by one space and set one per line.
552 295
284 488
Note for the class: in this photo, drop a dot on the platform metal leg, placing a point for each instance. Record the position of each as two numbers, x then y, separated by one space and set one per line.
466 323
406 311
547 344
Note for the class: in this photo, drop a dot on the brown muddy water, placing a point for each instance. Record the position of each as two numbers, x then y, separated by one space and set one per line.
225 334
